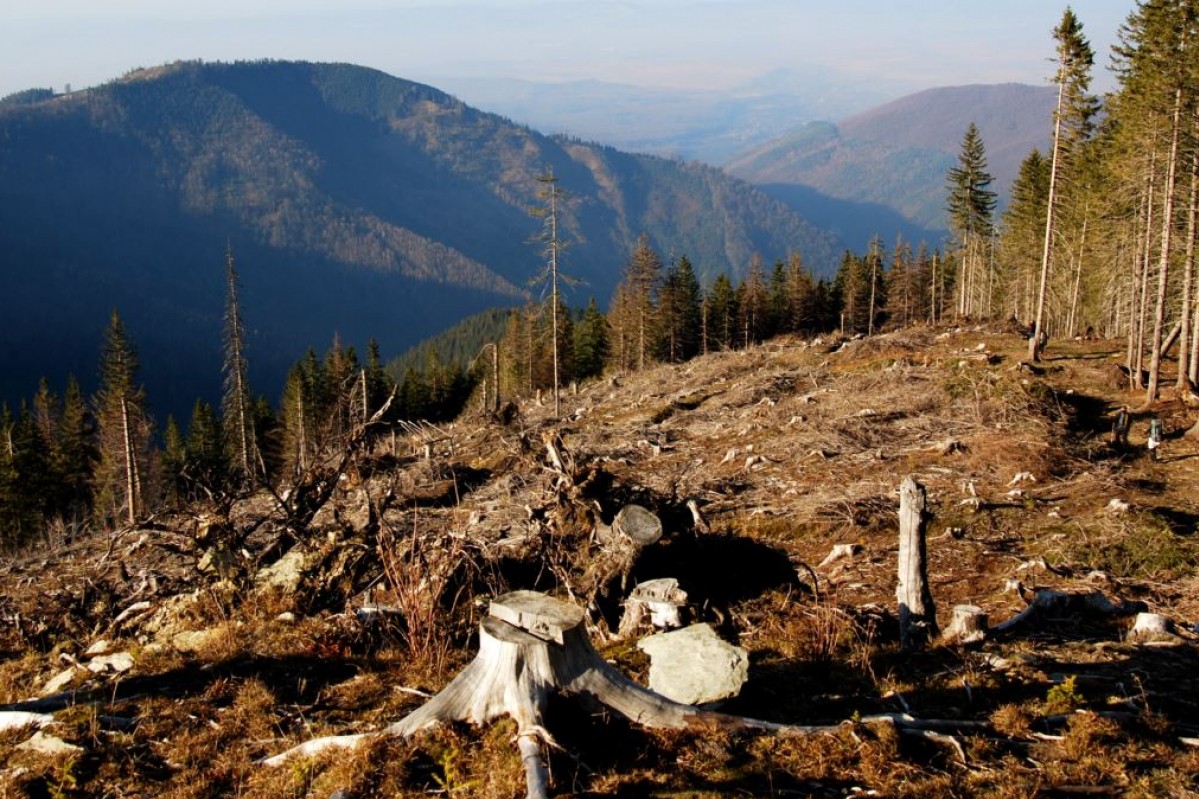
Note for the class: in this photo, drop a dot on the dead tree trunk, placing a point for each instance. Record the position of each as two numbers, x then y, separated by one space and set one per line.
917 616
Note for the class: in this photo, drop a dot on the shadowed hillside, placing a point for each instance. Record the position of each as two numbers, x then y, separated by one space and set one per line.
355 203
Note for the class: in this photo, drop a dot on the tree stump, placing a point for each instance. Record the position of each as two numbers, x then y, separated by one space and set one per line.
969 625
660 601
1149 627
633 529
517 669
638 525
917 616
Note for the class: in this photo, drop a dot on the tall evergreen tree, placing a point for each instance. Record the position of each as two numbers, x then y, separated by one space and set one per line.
722 313
971 206
591 342
553 246
123 429
1022 237
207 461
1071 126
641 276
236 402
678 313
75 451
753 302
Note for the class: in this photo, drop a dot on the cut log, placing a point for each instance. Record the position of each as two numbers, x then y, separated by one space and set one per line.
1150 627
638 525
838 552
1047 601
917 616
969 625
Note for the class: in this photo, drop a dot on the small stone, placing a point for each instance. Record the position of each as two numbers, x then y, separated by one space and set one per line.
119 662
286 617
101 647
58 682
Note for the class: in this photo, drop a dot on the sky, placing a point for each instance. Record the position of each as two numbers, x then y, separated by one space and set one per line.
905 45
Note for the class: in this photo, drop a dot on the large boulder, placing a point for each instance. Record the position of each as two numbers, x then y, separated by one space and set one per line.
694 665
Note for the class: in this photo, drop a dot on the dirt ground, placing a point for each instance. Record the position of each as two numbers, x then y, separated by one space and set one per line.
249 629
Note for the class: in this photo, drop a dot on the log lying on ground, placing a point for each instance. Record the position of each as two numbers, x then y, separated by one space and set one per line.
1048 602
519 667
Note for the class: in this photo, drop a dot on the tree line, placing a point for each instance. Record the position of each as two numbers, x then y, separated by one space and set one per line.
660 313
69 461
1099 235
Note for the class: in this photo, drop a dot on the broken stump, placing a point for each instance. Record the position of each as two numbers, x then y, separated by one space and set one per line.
968 626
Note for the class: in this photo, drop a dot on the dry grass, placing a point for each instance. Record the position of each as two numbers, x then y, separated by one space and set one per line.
819 441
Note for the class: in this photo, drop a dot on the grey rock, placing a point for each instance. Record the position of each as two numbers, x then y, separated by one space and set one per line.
694 666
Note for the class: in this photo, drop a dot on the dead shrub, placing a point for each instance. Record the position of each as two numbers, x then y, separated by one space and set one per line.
425 574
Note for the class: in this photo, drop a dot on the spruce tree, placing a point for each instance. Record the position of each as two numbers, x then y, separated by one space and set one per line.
1072 123
240 438
591 342
641 276
722 314
753 303
75 451
123 427
971 205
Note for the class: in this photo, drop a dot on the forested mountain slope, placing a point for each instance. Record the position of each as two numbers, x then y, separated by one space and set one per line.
896 156
354 202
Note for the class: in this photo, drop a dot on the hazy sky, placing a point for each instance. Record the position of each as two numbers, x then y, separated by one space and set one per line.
904 44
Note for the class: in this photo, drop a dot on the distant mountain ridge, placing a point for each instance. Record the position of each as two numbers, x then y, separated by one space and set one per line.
356 203
897 155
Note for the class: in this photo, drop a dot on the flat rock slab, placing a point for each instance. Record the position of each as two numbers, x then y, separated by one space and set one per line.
694 665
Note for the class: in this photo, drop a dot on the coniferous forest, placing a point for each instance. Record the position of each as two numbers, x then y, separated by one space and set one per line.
1097 239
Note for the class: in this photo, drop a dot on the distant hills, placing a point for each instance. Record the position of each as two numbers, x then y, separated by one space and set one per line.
709 125
356 203
883 171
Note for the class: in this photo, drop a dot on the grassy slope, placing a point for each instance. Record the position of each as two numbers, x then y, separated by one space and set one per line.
788 449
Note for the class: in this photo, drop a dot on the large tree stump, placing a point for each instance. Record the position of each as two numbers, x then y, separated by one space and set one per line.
516 670
917 616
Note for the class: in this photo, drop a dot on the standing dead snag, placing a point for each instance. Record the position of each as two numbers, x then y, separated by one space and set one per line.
917 616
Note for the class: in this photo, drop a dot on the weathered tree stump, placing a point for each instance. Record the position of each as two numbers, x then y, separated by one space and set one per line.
637 525
633 529
519 667
969 625
1150 627
660 601
917 616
